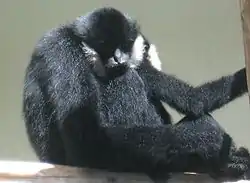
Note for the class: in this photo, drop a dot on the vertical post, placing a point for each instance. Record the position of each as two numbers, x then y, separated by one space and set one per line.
245 22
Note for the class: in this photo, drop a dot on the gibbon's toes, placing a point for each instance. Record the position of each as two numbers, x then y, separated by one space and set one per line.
242 152
235 169
238 167
242 156
246 175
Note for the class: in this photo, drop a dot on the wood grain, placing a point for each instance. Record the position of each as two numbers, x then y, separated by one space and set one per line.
245 22
35 172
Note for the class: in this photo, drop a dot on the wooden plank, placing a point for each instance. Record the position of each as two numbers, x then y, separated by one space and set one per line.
245 22
34 172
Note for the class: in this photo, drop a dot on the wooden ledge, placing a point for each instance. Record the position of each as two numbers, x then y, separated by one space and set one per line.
245 22
31 172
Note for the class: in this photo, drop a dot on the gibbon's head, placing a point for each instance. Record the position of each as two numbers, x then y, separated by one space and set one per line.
116 38
141 51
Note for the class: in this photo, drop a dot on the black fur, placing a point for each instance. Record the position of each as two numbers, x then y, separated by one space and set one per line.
116 122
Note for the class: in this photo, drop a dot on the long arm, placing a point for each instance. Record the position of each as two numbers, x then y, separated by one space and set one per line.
66 66
215 94
194 100
55 86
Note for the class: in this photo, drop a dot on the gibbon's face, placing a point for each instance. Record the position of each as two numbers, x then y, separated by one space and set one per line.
139 50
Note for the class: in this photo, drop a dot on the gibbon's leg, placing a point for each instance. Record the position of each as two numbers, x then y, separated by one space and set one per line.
232 162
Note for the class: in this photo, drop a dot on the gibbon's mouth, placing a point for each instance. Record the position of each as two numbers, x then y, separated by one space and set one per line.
112 62
119 58
115 59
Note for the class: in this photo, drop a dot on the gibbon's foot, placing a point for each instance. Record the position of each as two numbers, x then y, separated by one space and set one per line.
238 166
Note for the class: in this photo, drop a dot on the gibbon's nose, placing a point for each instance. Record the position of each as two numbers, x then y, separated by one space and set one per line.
113 61
120 56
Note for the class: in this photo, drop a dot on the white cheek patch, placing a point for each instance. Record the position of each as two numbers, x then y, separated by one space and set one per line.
153 57
137 52
138 48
